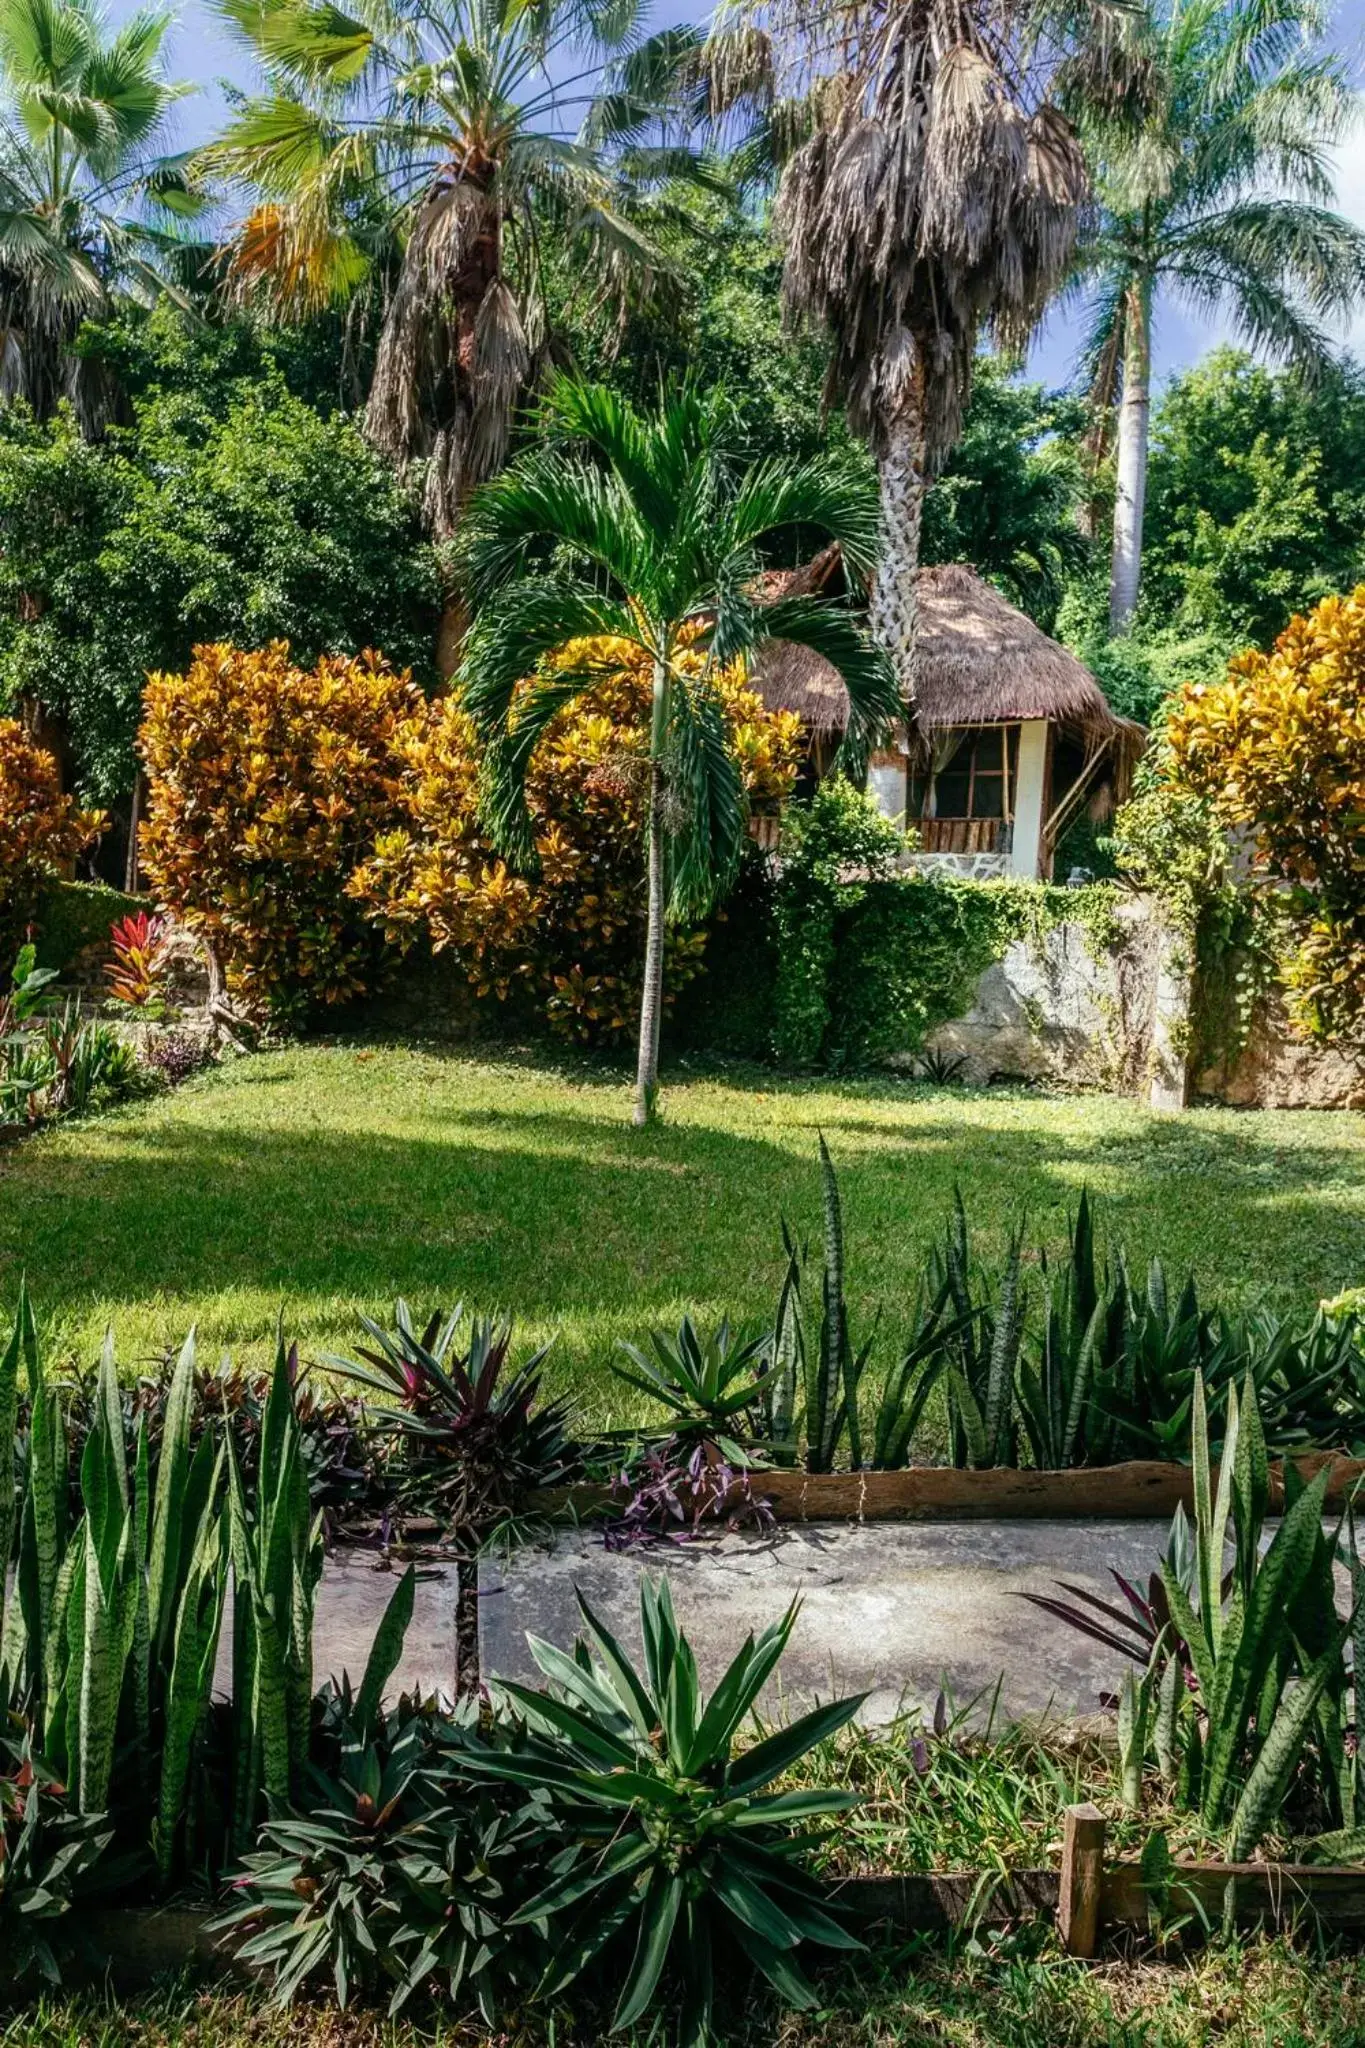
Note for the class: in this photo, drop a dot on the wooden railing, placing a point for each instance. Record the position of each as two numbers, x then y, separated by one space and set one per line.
963 835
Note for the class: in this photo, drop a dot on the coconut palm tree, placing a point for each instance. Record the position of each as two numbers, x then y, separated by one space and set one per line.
936 192
88 207
640 529
1213 183
427 153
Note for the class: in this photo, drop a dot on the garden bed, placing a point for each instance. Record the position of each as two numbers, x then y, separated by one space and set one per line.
1086 1896
938 1493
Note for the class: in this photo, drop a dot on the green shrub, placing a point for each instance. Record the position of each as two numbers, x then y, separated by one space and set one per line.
73 915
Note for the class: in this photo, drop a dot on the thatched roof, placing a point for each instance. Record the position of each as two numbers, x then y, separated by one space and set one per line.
981 662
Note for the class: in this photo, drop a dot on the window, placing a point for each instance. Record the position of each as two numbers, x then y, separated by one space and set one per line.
976 781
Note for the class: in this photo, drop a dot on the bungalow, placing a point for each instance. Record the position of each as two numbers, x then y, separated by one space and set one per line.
1011 741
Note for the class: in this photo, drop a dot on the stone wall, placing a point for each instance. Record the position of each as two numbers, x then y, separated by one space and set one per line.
1065 1013
1277 1069
1119 1020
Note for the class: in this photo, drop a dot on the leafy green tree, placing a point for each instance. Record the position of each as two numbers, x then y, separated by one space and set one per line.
720 323
240 515
1255 511
1213 182
88 208
427 157
1007 498
1256 505
640 528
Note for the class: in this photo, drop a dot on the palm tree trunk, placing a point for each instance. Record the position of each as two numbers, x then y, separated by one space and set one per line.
652 994
1130 482
902 472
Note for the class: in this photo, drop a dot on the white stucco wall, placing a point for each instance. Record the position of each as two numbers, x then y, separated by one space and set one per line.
1029 790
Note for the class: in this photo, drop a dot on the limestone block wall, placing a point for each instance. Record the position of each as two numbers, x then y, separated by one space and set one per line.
1064 1013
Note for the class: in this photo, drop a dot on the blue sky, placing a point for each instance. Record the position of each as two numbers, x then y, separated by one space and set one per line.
204 51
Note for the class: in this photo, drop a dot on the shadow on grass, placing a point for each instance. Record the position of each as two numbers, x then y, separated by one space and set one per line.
347 1192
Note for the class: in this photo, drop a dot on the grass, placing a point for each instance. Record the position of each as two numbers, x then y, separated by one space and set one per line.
322 1180
1250 1994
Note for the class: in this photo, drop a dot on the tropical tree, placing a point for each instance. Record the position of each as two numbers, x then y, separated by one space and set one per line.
89 207
936 193
1213 182
627 527
425 156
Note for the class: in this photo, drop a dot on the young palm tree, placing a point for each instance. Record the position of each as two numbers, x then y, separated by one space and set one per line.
1214 183
87 207
427 152
937 191
640 529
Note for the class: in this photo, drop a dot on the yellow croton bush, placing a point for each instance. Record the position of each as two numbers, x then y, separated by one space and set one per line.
41 831
572 935
266 784
1278 748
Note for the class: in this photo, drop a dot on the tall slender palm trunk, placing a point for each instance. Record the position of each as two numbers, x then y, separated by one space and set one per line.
652 993
1130 479
902 471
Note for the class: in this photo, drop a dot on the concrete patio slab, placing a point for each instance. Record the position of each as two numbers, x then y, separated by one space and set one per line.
352 1596
898 1611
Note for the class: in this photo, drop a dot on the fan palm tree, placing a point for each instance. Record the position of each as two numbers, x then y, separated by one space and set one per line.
1214 183
87 205
640 529
934 190
427 152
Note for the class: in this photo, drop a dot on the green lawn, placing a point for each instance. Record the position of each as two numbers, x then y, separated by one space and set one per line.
324 1179
1260 1994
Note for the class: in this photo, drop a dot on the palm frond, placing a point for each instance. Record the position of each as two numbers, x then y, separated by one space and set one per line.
706 809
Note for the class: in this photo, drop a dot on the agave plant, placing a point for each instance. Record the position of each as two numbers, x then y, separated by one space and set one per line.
475 1441
676 1846
708 1384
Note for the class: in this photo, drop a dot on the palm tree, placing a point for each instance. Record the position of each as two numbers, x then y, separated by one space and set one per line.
640 529
87 206
937 191
427 153
1213 182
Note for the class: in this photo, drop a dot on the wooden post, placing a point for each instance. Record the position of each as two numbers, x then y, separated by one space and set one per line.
1078 1906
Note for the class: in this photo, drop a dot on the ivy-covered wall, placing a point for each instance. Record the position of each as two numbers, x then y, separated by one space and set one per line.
836 957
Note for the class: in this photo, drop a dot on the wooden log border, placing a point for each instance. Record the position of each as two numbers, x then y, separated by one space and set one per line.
1084 1897
941 1493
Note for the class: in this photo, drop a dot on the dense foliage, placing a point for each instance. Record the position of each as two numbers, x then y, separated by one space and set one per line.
567 938
229 511
267 784
866 960
1278 749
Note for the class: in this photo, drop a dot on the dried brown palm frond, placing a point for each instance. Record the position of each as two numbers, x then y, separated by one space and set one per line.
938 194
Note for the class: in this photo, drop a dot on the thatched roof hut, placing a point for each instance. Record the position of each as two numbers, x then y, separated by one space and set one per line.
1012 737
981 662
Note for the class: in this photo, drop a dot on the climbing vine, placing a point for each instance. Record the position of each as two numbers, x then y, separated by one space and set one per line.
870 960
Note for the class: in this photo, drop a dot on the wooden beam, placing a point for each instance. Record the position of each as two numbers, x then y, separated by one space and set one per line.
1082 1879
941 1493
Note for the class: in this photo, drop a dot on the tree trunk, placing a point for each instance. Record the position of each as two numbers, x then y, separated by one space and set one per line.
652 993
130 866
902 471
1130 481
